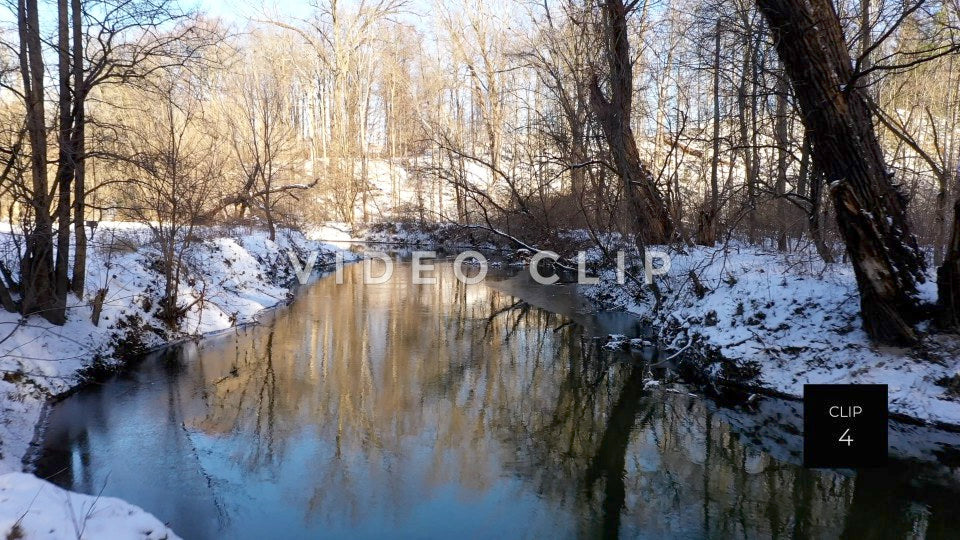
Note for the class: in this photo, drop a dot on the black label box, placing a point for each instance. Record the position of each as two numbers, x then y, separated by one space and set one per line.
844 425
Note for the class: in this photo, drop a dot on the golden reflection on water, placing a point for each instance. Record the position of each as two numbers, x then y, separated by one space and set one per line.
481 385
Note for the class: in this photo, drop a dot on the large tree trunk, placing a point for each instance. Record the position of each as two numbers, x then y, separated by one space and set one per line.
652 218
870 209
36 269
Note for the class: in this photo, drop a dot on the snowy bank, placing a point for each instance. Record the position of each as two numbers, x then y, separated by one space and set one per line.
412 235
231 275
777 321
33 508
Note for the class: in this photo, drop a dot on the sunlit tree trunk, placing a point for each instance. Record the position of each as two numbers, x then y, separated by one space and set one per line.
39 294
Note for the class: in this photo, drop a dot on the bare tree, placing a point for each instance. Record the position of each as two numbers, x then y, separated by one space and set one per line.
258 111
171 165
653 224
871 210
39 293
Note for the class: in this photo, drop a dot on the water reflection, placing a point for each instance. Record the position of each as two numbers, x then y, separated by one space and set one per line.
442 410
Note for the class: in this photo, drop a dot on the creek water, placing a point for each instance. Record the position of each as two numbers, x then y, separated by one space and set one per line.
452 410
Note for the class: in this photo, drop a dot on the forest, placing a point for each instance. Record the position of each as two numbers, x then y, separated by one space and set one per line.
819 125
799 159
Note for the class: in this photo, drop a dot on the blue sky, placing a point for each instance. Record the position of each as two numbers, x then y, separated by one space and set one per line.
234 11
238 10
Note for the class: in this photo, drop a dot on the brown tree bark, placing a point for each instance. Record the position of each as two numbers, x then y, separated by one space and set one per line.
782 133
65 159
36 269
746 114
870 208
707 226
79 150
815 216
652 218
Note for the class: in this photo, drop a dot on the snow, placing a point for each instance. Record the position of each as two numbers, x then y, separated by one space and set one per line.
407 234
411 234
333 232
33 508
232 275
796 320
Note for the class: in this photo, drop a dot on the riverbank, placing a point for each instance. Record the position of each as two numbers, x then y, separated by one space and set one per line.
448 236
231 275
32 508
775 321
765 320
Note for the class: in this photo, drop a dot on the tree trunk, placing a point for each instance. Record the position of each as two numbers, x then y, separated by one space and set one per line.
810 185
815 216
651 217
783 140
65 158
6 300
707 227
36 269
753 182
745 105
79 150
803 175
866 40
870 208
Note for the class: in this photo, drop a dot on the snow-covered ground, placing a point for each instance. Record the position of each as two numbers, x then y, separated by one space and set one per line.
33 508
232 275
411 235
789 320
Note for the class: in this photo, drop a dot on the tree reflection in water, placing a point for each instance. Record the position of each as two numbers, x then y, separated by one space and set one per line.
447 409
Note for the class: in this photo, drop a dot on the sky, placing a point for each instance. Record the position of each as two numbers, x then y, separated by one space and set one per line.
237 11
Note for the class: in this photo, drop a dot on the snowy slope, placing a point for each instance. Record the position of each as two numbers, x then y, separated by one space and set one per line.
32 508
795 320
